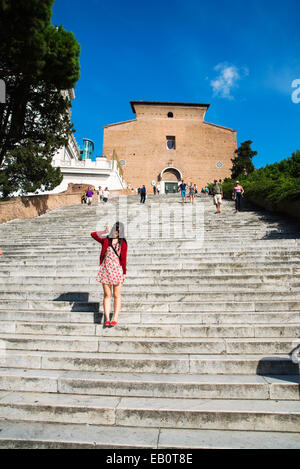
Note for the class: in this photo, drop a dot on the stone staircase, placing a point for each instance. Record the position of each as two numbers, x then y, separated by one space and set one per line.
201 356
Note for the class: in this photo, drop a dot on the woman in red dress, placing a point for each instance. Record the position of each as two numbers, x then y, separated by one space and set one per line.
112 267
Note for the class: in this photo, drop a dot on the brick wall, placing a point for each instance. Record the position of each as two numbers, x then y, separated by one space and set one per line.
142 144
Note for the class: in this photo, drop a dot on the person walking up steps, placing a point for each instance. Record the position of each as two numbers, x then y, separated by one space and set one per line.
112 267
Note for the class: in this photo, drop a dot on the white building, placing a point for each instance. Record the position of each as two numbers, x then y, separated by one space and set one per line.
99 173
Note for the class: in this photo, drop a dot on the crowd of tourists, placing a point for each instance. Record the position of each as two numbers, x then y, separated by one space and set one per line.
190 190
89 196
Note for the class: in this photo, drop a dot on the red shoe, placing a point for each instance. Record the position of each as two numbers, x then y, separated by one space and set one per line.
113 323
107 323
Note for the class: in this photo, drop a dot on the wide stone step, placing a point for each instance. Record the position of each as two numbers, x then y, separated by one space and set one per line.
178 243
144 306
258 345
153 330
157 319
149 272
14 250
157 298
201 261
146 256
198 279
151 385
79 291
34 435
31 245
261 415
259 364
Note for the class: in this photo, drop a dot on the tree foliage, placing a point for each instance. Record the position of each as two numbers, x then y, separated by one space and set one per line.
276 182
242 163
37 61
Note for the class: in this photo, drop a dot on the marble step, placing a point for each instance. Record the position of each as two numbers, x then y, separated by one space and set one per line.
281 318
194 277
35 435
218 414
145 345
159 298
148 306
136 290
185 386
241 364
153 330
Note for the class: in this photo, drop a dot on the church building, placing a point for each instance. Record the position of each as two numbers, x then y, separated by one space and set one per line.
170 142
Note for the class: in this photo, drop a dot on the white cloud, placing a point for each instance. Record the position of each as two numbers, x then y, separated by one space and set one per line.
227 79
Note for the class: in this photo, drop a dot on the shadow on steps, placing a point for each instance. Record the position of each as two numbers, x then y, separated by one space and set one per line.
79 303
280 368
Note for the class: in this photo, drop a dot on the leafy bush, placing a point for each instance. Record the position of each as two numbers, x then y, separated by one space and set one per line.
276 183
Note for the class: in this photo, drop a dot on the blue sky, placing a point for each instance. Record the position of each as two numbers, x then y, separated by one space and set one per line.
240 57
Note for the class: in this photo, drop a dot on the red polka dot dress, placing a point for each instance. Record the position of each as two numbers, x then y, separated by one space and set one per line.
111 272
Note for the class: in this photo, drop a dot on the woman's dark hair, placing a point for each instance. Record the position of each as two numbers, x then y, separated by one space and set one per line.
119 227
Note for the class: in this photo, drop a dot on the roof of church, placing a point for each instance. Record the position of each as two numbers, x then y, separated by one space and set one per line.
164 103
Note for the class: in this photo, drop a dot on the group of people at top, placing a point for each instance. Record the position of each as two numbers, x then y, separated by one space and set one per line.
193 190
216 191
102 195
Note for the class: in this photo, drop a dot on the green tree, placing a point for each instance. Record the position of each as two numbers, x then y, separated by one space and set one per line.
242 163
37 61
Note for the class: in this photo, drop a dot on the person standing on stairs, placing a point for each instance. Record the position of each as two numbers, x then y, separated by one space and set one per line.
237 196
112 267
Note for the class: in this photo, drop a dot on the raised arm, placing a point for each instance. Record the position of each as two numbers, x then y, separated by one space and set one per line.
100 235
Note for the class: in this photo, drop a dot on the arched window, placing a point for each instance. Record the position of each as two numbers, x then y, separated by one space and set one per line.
170 114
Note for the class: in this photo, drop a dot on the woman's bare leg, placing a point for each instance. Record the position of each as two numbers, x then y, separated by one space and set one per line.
117 301
107 301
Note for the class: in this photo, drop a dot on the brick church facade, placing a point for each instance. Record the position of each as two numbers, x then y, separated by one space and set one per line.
168 142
